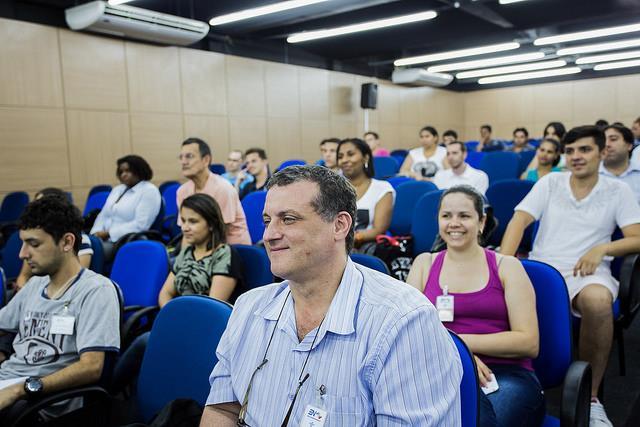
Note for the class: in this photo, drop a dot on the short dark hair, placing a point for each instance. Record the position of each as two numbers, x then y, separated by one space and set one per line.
259 151
523 130
335 193
558 128
203 147
332 140
450 132
637 120
429 129
364 149
487 127
52 192
463 146
602 123
137 165
55 216
588 131
557 147
626 133
206 206
375 135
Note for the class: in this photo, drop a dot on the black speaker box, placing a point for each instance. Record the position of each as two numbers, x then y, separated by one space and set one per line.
369 96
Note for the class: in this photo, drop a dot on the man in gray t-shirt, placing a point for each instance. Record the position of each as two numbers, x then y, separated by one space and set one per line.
65 318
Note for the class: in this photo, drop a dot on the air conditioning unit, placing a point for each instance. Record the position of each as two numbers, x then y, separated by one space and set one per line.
420 77
135 23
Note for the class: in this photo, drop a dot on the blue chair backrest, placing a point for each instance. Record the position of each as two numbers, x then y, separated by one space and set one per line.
10 256
469 386
474 158
165 184
170 201
99 189
217 168
256 265
97 259
500 165
424 225
157 223
525 159
370 261
503 197
385 167
181 352
140 269
471 145
12 206
95 201
3 288
554 323
253 205
396 181
399 155
407 195
292 162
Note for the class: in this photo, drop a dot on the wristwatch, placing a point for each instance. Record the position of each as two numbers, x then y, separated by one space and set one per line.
33 386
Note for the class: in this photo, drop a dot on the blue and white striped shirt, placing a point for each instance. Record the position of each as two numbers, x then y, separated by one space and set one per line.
381 353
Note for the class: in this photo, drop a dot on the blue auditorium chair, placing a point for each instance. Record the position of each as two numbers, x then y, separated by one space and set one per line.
399 155
504 196
95 201
10 256
99 189
165 184
217 168
525 159
474 158
253 205
370 261
500 165
407 195
292 162
385 167
472 145
170 220
397 180
12 206
256 265
97 259
3 288
424 225
469 386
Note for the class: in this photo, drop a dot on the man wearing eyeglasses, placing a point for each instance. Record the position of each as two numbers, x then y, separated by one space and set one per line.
335 344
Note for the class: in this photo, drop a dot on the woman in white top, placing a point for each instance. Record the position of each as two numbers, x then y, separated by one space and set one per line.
424 162
375 198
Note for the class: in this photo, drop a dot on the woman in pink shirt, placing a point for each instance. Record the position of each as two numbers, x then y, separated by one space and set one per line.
488 300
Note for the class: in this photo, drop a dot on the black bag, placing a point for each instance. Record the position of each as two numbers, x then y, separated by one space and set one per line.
397 253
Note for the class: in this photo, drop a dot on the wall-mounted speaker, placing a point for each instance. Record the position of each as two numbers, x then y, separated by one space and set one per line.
369 96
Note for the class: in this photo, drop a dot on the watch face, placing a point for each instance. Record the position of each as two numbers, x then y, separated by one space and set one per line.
33 385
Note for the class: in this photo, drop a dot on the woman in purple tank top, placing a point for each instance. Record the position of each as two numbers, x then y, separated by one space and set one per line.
488 300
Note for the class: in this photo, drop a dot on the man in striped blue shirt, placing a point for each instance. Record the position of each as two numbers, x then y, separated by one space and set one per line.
335 344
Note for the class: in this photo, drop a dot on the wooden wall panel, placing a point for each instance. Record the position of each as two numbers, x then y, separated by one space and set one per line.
388 104
33 144
627 99
344 96
154 78
29 65
157 138
214 130
247 132
314 93
283 140
312 132
94 72
245 87
96 140
593 101
282 91
204 84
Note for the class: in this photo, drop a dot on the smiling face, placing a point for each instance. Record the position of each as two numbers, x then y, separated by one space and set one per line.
550 132
194 227
42 254
255 164
351 160
458 221
297 239
191 162
583 157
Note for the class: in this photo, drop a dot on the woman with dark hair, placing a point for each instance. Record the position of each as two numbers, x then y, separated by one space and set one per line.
488 300
375 198
548 157
424 162
554 130
206 265
131 206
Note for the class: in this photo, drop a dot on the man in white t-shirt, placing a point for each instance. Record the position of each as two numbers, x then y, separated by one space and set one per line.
578 211
460 172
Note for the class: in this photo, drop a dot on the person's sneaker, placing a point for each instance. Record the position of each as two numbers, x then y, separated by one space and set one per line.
598 417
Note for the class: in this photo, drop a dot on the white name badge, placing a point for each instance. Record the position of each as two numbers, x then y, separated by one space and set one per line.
62 325
313 417
444 305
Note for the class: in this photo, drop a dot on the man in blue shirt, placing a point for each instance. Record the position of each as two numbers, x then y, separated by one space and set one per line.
336 343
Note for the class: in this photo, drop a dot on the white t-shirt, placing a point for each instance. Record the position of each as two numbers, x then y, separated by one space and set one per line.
476 178
569 228
428 167
366 205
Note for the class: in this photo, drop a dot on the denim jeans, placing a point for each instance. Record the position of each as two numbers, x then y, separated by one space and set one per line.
518 402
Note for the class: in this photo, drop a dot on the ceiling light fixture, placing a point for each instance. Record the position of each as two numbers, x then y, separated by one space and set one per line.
622 44
544 65
615 65
528 76
364 26
585 35
481 50
479 63
260 11
609 57
510 1
117 2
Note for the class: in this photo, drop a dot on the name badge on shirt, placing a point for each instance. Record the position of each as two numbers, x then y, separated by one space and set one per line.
444 305
314 416
62 325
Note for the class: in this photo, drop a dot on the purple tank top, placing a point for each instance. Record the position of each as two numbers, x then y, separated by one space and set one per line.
479 312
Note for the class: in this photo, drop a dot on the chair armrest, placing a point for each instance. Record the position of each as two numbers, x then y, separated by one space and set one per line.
629 293
576 396
129 329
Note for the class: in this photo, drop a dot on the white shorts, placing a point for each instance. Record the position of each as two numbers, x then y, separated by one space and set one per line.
602 276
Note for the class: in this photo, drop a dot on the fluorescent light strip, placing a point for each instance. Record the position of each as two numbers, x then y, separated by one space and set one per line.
528 76
365 26
544 65
481 50
510 1
117 2
584 35
615 65
260 11
607 58
479 63
623 44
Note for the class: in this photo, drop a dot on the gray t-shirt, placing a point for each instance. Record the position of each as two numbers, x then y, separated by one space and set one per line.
92 301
